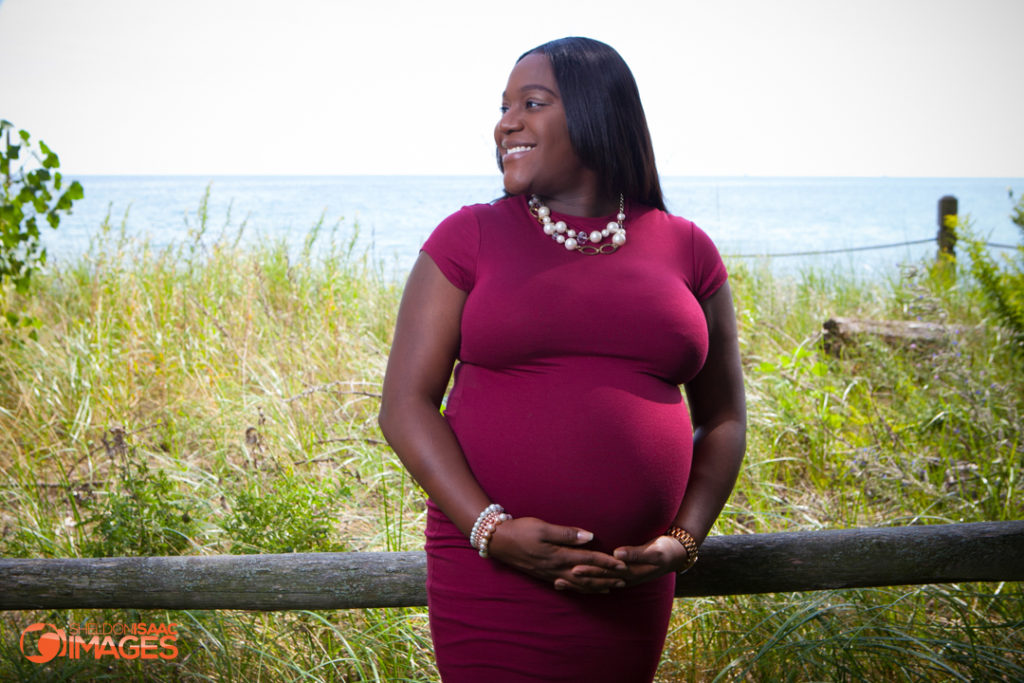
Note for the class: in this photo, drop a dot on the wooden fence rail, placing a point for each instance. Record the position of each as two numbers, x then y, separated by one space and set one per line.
756 563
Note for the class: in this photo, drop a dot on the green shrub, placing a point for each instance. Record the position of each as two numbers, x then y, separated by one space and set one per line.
286 515
1002 287
27 195
144 511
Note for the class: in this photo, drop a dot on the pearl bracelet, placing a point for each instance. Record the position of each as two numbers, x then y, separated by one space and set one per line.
486 523
488 531
688 543
493 508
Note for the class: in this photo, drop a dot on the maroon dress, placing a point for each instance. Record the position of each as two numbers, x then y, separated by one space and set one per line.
567 407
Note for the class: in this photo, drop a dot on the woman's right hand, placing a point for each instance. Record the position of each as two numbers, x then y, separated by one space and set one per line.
551 553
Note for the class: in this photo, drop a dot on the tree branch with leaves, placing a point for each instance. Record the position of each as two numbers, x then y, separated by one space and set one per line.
33 191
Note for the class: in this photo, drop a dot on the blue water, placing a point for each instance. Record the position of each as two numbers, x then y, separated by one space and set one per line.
746 217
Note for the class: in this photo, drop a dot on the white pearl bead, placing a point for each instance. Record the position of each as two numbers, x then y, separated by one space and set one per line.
571 233
621 216
549 229
560 226
560 239
570 244
595 236
619 238
613 226
605 232
543 211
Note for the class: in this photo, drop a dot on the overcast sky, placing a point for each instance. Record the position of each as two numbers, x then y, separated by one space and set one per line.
732 87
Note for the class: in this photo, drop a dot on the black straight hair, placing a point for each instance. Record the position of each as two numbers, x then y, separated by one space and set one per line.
607 126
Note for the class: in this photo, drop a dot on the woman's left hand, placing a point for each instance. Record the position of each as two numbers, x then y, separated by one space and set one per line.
657 557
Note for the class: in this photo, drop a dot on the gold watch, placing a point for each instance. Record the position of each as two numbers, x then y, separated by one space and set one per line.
687 541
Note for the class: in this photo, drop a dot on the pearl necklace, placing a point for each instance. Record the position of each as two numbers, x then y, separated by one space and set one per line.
581 240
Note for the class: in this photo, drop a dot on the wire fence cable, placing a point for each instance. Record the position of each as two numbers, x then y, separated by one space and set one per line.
823 252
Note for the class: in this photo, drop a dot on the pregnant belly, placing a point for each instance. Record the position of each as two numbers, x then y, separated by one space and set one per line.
610 453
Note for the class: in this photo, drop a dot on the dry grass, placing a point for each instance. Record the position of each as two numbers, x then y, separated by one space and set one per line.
225 394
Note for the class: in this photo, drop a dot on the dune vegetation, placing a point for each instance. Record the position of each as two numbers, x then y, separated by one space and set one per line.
220 396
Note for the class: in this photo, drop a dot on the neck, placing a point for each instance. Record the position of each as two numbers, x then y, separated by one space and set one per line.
585 204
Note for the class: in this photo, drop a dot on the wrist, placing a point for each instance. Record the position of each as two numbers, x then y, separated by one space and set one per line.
486 523
685 539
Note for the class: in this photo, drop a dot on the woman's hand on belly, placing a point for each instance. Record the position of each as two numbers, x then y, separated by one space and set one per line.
551 553
657 557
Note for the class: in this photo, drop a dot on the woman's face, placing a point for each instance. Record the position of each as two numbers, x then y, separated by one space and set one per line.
533 137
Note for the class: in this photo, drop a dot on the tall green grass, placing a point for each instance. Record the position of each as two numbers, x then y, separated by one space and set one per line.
220 395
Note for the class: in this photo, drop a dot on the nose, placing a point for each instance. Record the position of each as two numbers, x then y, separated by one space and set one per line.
509 122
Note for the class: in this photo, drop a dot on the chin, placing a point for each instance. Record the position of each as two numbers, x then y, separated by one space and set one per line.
514 188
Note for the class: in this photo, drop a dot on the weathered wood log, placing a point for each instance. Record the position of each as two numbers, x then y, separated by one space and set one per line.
251 582
755 563
857 558
840 332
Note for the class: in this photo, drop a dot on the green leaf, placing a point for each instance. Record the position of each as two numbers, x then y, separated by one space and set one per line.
39 188
21 283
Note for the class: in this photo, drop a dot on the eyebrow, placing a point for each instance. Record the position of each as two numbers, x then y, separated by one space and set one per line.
533 86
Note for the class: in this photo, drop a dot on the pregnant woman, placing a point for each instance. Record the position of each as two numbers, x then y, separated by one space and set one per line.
568 480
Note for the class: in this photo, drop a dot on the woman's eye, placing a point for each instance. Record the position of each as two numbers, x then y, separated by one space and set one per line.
503 109
530 104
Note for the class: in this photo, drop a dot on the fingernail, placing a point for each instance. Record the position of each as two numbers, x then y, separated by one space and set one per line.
620 584
584 536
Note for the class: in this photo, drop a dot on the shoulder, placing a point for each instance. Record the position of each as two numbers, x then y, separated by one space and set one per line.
499 210
472 216
674 227
668 220
454 245
696 251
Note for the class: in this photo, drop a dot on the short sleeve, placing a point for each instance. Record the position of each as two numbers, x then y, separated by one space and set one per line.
708 269
454 246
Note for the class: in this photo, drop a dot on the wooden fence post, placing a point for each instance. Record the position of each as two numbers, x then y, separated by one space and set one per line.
948 206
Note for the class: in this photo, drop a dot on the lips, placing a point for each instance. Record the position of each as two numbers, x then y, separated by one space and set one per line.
515 149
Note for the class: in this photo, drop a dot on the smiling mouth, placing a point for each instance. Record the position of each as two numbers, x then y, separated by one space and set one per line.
516 150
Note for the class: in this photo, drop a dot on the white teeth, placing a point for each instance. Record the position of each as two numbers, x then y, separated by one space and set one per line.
521 148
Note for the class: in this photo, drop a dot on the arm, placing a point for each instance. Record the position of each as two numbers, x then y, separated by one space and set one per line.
718 410
423 352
